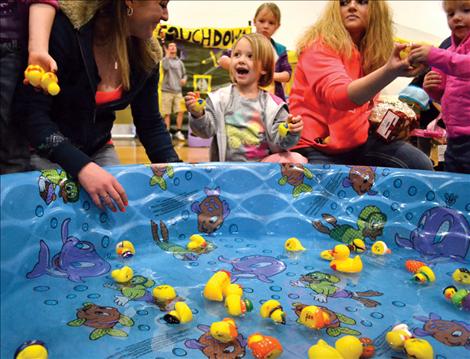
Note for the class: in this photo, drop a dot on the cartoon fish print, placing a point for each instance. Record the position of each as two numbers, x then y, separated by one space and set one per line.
370 223
324 286
159 170
452 333
179 252
48 182
259 267
213 349
440 233
76 260
103 319
361 179
211 212
295 174
333 329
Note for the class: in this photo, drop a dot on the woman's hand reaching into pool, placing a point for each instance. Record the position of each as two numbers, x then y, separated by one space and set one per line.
102 187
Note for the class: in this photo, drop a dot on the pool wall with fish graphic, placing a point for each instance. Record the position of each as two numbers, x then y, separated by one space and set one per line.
58 251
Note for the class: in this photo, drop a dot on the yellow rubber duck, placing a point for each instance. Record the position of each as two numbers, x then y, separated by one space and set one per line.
357 245
342 262
273 309
326 255
122 275
397 336
163 294
232 288
293 245
34 349
37 77
347 347
264 346
461 275
236 305
181 315
424 275
283 129
33 74
224 331
314 318
200 105
216 285
322 350
418 349
380 248
125 249
197 243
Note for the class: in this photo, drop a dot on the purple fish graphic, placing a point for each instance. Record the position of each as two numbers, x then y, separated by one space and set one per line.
261 267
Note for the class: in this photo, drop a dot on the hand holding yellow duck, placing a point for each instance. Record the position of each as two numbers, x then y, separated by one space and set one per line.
37 77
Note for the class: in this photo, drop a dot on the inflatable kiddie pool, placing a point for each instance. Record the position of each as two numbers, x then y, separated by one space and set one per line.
58 250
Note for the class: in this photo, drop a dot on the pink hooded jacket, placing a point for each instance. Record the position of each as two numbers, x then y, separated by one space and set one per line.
454 94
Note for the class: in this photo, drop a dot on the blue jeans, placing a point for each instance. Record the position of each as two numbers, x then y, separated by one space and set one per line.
375 152
14 149
457 155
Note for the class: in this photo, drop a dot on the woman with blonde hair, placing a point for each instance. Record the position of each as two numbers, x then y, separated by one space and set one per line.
345 59
107 60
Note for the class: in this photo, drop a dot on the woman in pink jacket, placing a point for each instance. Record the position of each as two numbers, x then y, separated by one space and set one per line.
449 83
345 59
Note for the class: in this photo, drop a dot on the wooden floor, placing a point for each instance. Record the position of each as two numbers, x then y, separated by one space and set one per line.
131 151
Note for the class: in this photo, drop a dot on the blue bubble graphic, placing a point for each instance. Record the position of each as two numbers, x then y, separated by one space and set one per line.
409 216
366 323
85 227
94 296
398 304
86 205
71 296
182 237
309 268
212 263
194 311
251 245
188 175
349 210
39 211
293 296
185 215
430 196
80 288
51 302
341 194
291 274
276 288
228 246
412 191
267 251
233 229
103 217
54 222
144 327
386 194
41 288
193 264
179 352
326 166
248 290
105 242
351 309
397 183
176 181
142 312
386 172
395 206
377 315
334 206
440 356
467 207
275 296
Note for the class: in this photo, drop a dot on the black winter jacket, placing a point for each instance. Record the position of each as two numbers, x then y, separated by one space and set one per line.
69 127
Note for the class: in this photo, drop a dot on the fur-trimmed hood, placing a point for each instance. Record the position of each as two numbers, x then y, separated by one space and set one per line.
80 12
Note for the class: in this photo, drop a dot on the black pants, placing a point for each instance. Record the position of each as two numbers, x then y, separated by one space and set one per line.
457 155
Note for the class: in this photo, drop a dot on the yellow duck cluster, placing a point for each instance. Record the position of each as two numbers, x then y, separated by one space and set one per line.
347 347
401 339
37 77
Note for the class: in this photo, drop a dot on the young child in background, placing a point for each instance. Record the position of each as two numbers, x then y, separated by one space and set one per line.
174 79
244 118
267 20
449 83
14 150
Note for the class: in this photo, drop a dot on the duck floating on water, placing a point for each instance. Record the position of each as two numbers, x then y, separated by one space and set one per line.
181 315
462 275
125 249
264 346
314 317
197 243
380 248
123 275
32 349
347 347
459 297
216 285
273 309
293 245
224 331
341 261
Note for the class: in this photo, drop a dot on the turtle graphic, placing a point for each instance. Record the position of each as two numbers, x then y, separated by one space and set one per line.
103 319
178 251
159 171
294 175
334 329
211 211
370 223
50 180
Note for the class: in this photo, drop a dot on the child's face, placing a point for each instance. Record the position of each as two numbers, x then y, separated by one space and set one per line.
266 23
458 19
244 69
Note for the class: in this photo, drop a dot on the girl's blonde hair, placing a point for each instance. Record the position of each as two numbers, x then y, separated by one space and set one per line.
376 45
450 5
271 7
262 54
144 54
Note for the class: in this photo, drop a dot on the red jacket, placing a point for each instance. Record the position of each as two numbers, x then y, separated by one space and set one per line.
320 95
